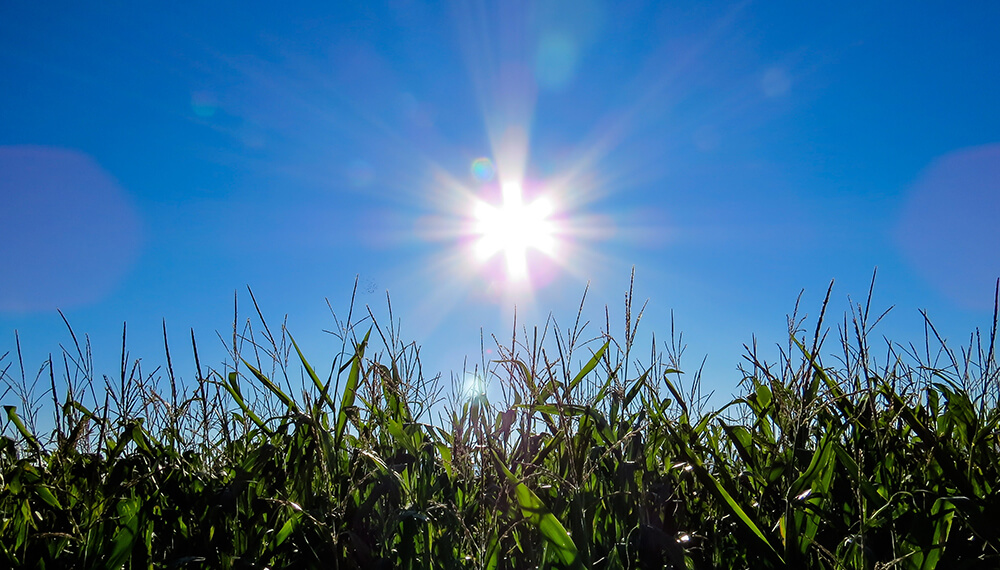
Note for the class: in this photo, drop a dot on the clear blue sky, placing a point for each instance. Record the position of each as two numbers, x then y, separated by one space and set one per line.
155 160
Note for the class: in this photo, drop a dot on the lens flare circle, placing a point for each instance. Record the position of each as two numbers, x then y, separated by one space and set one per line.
473 387
483 169
514 228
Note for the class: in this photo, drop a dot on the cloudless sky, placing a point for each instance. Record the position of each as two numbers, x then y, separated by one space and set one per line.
156 159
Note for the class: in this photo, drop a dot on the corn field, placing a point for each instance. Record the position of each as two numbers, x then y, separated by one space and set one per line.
573 451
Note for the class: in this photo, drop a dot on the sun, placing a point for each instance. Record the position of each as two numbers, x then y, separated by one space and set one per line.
513 228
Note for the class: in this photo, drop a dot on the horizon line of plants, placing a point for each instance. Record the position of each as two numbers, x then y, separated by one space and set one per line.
588 452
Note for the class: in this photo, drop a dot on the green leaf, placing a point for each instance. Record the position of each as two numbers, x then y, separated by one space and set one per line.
721 493
288 402
572 410
854 472
818 474
73 404
539 515
28 437
839 399
812 484
743 442
716 488
350 390
763 396
589 367
554 532
944 512
46 495
634 391
286 530
323 389
232 386
124 540
399 434
493 554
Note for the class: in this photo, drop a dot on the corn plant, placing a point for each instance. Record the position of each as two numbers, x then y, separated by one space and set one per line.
583 451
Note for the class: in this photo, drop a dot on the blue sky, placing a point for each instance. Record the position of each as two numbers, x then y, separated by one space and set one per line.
153 160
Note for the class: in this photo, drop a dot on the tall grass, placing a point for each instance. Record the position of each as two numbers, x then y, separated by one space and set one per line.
587 451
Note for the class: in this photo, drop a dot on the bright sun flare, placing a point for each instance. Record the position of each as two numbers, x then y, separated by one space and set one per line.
513 228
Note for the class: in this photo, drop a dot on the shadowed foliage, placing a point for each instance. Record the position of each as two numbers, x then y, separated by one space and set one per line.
584 454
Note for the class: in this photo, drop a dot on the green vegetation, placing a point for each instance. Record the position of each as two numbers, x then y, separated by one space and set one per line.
581 457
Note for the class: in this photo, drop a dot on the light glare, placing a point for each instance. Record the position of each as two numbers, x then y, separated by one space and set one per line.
513 228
